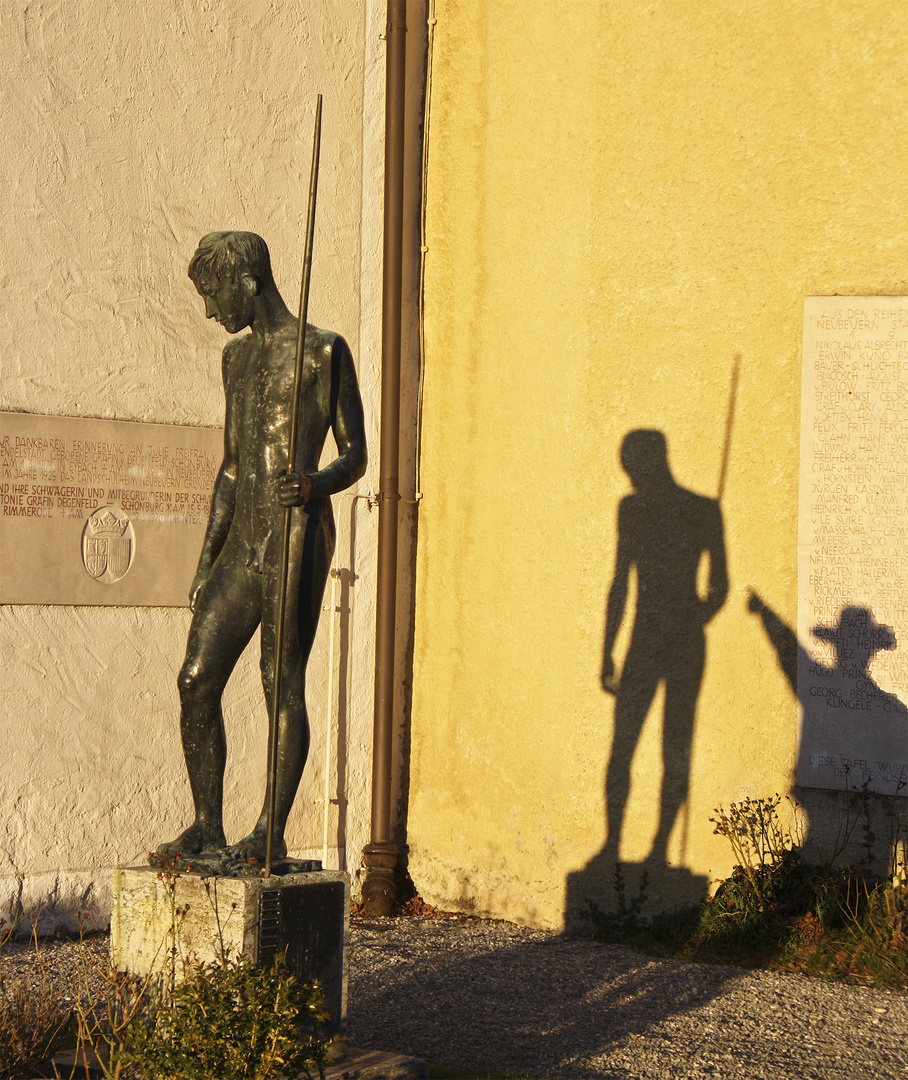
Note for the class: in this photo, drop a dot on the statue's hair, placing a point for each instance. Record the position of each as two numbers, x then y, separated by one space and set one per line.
227 254
644 447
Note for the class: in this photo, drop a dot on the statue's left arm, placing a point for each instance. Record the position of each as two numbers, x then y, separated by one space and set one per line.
718 567
348 427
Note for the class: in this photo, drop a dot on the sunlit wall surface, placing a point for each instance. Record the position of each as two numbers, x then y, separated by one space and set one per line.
623 198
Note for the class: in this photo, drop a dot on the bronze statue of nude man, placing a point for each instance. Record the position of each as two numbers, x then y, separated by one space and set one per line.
237 584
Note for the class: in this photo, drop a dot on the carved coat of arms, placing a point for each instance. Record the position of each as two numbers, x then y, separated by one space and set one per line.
108 544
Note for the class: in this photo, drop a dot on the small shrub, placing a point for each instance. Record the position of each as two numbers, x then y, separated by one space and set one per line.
232 1020
107 1003
753 912
871 944
776 909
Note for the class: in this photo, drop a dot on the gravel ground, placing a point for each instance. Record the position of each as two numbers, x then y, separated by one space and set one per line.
470 994
57 961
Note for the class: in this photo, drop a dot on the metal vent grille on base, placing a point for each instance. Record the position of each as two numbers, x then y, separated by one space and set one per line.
307 921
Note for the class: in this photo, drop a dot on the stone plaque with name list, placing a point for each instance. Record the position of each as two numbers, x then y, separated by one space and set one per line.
102 512
853 544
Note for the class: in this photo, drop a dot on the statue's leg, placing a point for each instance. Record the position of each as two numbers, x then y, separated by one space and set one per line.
682 688
225 619
312 546
639 681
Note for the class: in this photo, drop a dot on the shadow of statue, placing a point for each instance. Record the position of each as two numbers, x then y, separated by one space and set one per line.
664 533
531 1005
665 536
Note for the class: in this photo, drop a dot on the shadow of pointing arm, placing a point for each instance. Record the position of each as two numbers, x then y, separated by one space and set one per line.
782 638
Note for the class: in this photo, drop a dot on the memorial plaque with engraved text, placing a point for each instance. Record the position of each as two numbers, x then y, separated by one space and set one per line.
853 544
102 511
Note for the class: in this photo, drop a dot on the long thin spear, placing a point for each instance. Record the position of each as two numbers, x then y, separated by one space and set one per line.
273 727
729 422
723 473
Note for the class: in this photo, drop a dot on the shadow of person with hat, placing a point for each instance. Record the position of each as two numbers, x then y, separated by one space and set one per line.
852 730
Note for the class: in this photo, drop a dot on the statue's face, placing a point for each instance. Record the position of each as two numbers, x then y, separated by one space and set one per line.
230 302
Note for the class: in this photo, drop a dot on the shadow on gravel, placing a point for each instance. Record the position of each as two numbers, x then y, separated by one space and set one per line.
546 1007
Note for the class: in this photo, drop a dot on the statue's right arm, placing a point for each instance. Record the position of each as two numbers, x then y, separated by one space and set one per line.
617 596
223 498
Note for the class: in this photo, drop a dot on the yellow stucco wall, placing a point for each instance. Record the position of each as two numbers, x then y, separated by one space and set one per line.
622 197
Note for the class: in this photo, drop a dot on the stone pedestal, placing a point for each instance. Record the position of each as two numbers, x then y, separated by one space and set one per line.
206 917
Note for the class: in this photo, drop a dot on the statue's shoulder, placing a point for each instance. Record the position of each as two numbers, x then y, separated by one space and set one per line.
707 506
236 344
233 350
324 344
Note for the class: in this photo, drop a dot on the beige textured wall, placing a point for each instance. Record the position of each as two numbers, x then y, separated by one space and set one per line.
621 198
125 135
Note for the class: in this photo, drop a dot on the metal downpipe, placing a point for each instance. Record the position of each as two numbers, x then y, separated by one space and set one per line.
380 855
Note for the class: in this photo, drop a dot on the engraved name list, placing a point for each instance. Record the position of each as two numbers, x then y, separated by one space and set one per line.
853 544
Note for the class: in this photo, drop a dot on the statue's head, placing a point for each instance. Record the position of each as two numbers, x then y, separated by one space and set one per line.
229 269
644 457
227 255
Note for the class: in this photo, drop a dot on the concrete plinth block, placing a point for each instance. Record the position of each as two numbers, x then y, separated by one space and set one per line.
205 917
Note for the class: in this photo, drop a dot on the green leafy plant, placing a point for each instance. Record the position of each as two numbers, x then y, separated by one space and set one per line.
777 909
627 919
231 1019
871 940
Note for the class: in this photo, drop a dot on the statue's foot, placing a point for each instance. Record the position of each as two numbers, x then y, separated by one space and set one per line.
197 838
251 849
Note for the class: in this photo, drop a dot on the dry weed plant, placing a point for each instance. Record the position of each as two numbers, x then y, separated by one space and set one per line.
822 918
31 1018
